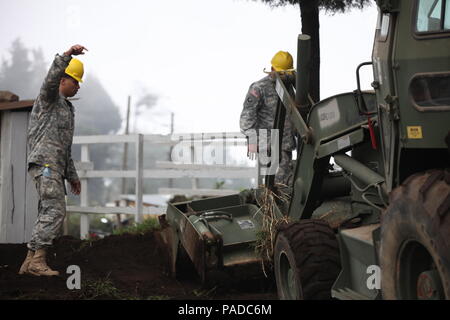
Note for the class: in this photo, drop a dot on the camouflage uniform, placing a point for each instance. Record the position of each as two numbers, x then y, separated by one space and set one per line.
259 113
50 134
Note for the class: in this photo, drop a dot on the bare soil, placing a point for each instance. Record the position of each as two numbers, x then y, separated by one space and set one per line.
119 267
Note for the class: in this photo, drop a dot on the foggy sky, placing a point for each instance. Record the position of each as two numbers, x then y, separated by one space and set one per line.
198 56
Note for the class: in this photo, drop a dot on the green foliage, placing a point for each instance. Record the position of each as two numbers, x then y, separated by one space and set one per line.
20 74
204 293
331 6
343 5
219 184
148 225
101 289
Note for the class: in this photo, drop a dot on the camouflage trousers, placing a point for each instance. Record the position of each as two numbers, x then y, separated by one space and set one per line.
285 173
51 208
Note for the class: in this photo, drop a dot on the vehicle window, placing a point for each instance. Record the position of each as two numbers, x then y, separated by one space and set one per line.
431 90
429 15
447 16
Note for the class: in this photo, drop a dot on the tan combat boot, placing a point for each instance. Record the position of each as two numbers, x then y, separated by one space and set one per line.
38 265
26 262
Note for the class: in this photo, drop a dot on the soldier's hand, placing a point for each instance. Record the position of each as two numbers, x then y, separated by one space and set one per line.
252 149
75 187
75 50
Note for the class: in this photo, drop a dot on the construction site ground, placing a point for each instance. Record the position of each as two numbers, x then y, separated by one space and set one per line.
124 266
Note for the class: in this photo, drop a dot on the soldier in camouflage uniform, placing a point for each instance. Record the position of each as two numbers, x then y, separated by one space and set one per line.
259 113
50 134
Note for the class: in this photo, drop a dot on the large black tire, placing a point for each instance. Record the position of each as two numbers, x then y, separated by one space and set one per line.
415 239
306 260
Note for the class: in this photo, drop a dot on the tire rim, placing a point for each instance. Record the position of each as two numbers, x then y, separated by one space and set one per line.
418 277
287 278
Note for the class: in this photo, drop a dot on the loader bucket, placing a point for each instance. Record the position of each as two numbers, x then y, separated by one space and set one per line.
216 233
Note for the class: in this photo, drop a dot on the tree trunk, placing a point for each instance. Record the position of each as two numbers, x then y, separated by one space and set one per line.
309 13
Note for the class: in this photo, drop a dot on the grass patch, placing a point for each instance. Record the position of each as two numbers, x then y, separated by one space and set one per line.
204 293
103 289
148 225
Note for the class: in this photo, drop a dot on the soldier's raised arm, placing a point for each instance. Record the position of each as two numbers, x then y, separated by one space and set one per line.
50 88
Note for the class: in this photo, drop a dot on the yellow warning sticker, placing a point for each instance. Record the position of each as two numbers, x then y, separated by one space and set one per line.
414 132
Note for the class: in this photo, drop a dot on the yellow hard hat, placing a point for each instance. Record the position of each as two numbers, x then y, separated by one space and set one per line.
75 69
282 61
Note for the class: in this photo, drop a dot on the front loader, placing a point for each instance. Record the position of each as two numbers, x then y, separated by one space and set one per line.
367 215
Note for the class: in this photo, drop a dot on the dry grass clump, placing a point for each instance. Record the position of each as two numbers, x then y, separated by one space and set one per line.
270 221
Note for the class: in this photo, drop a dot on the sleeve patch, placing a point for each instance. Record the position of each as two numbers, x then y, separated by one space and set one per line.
254 93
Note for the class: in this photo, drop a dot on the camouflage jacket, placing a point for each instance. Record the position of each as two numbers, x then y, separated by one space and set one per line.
259 110
51 124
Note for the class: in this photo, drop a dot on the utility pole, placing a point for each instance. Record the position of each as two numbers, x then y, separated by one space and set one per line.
136 111
125 159
172 117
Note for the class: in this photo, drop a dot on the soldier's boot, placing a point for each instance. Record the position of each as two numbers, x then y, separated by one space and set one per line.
26 262
38 265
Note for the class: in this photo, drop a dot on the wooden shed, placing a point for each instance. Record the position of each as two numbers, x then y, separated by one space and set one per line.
18 196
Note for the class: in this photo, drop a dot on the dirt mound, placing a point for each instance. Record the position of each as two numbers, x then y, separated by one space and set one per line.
116 267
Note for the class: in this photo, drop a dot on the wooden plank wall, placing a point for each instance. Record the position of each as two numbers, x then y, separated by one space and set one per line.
18 194
32 198
16 231
5 194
